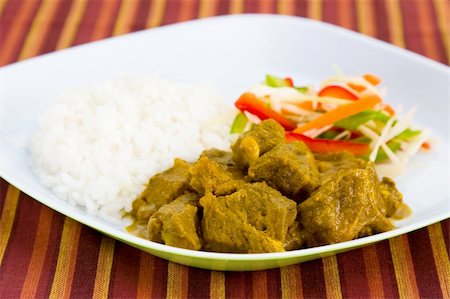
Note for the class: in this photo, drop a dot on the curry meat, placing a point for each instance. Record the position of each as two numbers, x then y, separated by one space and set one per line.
266 195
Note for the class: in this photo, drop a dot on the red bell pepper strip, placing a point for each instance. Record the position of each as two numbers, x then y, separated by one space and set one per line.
337 91
249 102
326 145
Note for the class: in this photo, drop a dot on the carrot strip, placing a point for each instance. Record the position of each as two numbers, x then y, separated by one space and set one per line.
374 80
356 87
339 113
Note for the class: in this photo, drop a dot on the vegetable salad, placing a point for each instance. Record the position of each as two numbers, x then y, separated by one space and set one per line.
345 113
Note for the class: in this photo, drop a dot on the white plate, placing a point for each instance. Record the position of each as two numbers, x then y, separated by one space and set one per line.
233 52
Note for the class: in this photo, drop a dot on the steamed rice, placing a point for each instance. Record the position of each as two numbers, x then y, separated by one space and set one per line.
97 147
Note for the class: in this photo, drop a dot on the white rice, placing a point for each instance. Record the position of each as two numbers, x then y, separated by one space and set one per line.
97 147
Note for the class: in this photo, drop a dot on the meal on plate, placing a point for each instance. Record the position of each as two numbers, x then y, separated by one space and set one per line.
303 169
268 194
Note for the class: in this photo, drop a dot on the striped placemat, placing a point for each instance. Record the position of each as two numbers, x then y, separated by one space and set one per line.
44 254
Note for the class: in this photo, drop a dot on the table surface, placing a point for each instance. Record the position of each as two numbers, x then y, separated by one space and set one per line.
45 254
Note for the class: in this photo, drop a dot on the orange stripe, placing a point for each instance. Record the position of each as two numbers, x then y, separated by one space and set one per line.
217 285
291 282
104 265
207 8
331 277
403 266
395 21
145 281
126 15
424 18
259 284
315 9
286 7
177 281
236 6
38 255
2 6
441 260
39 29
366 19
441 11
102 24
265 6
373 272
7 218
17 29
186 10
345 17
71 24
67 256
156 13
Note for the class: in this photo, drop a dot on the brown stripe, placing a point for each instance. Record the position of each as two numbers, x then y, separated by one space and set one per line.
53 33
39 29
19 248
87 260
301 8
395 21
171 12
404 270
207 8
199 283
104 265
141 14
433 47
177 281
291 282
259 284
87 23
441 259
381 21
105 22
238 285
366 22
312 275
160 278
62 281
373 276
38 256
314 9
331 276
422 258
273 283
217 285
352 273
387 270
7 218
125 16
18 31
125 272
72 23
286 7
145 282
412 31
3 189
251 6
441 9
